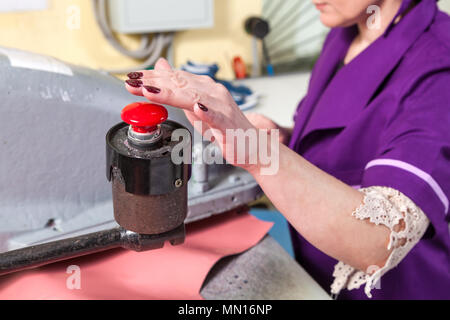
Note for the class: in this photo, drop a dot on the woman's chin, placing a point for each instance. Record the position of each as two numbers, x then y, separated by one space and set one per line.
331 21
328 20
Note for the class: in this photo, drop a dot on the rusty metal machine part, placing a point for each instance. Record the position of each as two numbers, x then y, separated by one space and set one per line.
148 214
42 254
149 199
95 99
149 189
94 106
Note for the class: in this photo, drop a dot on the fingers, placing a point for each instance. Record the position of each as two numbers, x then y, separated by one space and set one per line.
204 119
208 115
164 91
256 119
134 86
148 74
256 116
162 68
179 77
182 90
204 128
260 121
197 123
252 116
176 88
162 64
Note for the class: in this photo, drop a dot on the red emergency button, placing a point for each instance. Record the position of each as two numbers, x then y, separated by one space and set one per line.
143 116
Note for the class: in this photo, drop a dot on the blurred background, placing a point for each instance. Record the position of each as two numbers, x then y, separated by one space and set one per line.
205 31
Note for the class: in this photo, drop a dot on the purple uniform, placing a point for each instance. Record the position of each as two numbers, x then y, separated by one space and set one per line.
384 120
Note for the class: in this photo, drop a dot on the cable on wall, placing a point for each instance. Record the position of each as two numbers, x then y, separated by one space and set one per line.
150 48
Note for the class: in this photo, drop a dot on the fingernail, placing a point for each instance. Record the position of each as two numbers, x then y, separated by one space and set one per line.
152 89
202 107
135 75
134 83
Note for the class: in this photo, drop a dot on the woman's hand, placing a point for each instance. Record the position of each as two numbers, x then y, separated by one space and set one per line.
262 122
208 105
318 205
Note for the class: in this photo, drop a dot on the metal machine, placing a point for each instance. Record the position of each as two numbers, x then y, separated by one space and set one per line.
55 202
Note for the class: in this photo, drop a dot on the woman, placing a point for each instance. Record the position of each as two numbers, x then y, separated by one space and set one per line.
365 178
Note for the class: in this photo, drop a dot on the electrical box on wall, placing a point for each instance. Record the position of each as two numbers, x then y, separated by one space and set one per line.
142 16
22 5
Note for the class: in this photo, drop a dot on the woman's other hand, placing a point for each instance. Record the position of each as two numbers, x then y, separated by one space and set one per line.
208 105
262 122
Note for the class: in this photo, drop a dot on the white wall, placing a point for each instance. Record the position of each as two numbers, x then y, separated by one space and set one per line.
445 5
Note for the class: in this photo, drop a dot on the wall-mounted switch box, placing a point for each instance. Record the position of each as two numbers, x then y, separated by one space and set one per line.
143 16
22 5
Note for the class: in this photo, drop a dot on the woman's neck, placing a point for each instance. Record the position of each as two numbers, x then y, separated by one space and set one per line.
387 11
368 34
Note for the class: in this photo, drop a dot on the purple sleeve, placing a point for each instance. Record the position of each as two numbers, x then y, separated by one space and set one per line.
414 156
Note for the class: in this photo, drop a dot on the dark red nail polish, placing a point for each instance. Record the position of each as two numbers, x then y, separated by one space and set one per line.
202 107
134 83
152 89
135 75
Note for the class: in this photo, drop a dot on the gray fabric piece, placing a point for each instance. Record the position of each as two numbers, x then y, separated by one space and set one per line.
265 271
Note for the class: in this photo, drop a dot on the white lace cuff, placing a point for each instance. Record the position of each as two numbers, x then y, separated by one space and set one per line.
407 223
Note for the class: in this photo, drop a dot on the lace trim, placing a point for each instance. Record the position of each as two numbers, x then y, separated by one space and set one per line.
407 222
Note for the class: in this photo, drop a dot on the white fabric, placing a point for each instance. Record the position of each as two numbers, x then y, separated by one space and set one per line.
407 222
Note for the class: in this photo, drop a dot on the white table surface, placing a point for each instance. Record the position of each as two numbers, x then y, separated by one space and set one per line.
279 95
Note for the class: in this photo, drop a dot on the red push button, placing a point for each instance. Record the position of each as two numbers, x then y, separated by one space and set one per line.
143 116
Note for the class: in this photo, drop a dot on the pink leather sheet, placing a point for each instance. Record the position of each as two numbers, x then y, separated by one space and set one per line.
169 273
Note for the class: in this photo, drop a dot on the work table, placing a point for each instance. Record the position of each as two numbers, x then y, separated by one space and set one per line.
279 95
265 271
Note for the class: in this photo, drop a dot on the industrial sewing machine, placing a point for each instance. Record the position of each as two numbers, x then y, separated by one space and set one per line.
53 187
56 203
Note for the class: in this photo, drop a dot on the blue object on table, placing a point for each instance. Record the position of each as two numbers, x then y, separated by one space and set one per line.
279 231
270 71
242 95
